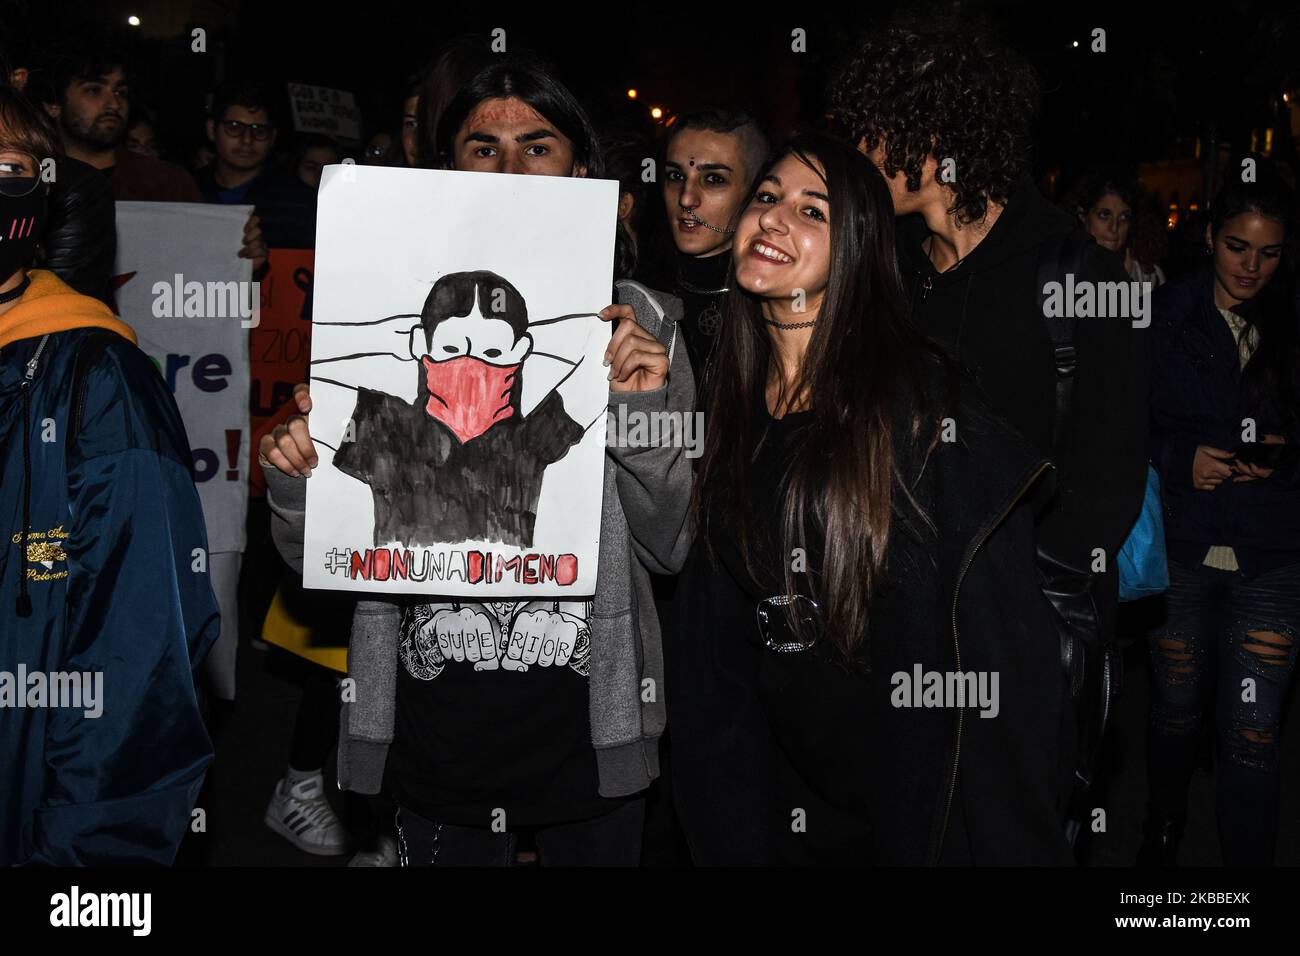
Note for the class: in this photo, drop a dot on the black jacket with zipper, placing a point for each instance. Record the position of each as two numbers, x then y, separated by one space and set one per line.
946 785
1198 398
893 785
988 314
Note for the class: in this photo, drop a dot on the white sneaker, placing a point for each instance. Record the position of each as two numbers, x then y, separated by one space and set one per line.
385 854
301 814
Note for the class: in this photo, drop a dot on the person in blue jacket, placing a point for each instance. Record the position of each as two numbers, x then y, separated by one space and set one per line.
105 603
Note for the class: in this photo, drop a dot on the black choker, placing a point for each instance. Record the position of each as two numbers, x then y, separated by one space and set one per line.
16 292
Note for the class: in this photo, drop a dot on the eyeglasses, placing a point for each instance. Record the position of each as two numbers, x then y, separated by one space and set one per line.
774 628
19 174
260 131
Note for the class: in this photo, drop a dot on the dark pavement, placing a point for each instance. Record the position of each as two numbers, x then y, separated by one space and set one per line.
253 744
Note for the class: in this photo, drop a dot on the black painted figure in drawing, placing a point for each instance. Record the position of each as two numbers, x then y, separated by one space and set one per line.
462 462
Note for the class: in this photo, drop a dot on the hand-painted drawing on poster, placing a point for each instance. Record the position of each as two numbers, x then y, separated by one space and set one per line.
458 391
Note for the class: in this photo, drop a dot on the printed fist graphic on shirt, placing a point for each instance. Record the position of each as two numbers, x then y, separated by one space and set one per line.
541 634
466 634
418 648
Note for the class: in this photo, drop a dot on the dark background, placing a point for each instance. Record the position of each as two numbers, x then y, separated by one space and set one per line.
1177 85
1178 88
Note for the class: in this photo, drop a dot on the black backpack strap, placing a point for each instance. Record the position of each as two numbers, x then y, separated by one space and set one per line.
1056 260
88 352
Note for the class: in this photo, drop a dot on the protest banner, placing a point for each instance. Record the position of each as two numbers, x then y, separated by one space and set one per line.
319 109
279 347
181 285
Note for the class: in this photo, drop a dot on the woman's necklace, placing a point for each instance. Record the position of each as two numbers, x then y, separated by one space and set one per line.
697 290
710 320
792 325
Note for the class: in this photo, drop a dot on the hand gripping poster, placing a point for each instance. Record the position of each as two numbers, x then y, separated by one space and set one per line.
458 391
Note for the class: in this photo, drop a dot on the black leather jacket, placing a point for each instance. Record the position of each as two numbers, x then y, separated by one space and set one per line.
886 782
942 784
81 236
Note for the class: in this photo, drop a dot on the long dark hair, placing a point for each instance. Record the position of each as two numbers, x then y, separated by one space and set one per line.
526 78
624 151
864 364
1269 381
435 86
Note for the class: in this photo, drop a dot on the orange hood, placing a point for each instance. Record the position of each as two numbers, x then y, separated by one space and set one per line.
49 305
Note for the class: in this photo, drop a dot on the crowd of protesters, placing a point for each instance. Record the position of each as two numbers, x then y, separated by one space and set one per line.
888 399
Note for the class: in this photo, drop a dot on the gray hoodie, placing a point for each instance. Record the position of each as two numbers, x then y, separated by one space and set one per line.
643 529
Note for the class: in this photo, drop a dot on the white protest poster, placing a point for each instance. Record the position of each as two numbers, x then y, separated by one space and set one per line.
457 383
319 109
183 289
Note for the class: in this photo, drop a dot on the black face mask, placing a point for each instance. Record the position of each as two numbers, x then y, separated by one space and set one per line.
22 221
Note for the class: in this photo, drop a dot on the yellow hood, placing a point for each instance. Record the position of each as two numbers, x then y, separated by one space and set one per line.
49 305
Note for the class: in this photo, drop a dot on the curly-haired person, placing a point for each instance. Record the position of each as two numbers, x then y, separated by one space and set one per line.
945 114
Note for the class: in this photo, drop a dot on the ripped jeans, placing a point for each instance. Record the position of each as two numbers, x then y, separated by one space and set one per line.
1227 642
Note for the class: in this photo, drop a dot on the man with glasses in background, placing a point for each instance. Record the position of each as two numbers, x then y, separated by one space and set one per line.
87 95
243 135
242 129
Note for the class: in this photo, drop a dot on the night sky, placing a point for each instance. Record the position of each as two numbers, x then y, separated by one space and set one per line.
1171 72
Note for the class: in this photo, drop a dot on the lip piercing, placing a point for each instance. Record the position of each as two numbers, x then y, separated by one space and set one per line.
724 232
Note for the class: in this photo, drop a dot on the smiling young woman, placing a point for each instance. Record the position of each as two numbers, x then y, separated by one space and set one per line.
837 523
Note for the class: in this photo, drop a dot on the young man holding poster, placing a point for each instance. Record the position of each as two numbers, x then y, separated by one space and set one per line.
558 733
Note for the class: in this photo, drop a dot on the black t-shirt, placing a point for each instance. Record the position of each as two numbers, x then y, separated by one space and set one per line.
430 488
474 737
492 707
778 443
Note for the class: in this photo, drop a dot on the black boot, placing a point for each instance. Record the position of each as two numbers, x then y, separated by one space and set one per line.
1161 832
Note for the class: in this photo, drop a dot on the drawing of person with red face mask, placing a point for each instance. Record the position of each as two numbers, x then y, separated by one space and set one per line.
462 462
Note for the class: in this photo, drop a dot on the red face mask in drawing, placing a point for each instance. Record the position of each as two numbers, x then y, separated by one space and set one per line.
471 368
469 395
